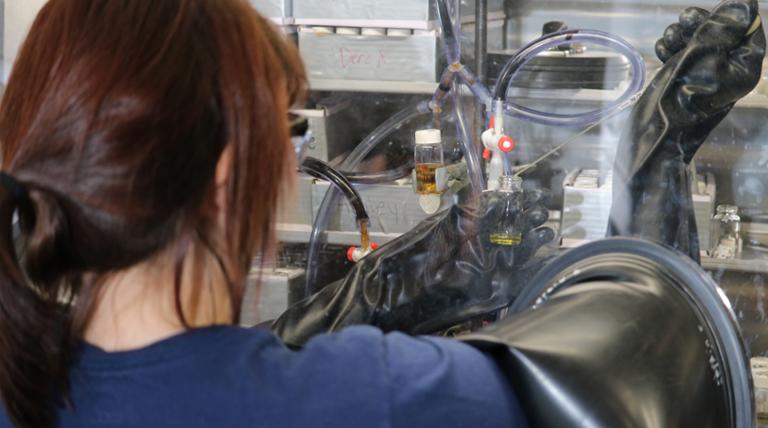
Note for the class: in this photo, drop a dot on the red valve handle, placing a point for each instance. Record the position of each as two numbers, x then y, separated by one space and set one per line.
506 144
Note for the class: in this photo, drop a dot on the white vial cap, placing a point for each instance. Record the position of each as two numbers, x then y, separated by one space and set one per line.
348 31
401 32
429 136
323 30
374 31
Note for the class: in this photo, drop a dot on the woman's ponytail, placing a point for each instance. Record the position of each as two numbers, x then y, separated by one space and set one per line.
34 324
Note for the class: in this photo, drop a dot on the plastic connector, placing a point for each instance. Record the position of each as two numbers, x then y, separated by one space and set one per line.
355 254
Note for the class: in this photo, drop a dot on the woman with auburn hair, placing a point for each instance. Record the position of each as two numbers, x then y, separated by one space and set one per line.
143 144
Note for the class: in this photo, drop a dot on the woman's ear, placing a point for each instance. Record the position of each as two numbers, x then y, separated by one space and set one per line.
224 167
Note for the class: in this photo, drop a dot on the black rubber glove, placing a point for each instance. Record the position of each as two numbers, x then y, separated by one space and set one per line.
623 333
443 272
711 60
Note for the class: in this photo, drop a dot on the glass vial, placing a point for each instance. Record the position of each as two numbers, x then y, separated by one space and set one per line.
428 157
725 233
508 233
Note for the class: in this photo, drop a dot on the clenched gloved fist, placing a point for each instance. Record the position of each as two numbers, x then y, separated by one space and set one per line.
462 263
710 61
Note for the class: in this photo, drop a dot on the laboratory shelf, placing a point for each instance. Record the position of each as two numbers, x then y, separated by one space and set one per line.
299 234
390 87
751 100
750 261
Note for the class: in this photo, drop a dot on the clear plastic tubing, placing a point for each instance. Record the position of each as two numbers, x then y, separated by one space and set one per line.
471 154
450 35
457 72
554 40
331 198
478 89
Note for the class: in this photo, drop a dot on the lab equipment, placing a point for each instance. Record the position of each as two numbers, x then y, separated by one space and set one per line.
457 70
351 162
623 332
507 231
600 109
760 377
691 94
440 274
497 146
726 233
447 276
319 169
428 157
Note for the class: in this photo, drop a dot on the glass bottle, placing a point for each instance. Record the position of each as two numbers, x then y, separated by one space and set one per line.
428 157
508 232
725 233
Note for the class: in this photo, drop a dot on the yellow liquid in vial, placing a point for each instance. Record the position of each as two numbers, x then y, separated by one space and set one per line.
505 239
425 178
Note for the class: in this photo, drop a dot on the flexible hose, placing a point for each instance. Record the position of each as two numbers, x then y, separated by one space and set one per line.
478 89
388 176
450 37
322 170
458 73
551 41
468 149
330 200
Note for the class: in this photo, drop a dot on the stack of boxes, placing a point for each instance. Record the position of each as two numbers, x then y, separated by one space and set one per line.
374 40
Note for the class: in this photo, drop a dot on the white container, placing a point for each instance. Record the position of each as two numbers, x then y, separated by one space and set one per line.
374 32
411 14
760 380
321 30
725 233
370 58
399 32
348 31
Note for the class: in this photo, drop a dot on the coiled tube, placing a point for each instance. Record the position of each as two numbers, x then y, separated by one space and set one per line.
380 177
553 40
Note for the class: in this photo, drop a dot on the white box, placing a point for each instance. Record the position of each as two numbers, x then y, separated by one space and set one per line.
280 11
586 208
393 208
414 14
376 58
587 204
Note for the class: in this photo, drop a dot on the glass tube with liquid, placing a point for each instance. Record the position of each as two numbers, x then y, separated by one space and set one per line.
428 157
508 231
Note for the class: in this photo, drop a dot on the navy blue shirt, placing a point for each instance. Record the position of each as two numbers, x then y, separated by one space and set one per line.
234 377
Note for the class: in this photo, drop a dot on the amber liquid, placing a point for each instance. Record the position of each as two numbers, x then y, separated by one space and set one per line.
365 240
425 178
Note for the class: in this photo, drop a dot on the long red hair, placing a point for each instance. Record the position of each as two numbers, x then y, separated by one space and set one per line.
114 119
